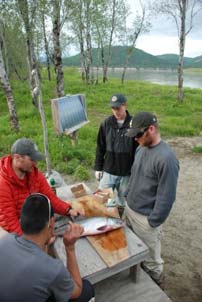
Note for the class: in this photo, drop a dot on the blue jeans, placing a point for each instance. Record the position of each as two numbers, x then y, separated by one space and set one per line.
118 184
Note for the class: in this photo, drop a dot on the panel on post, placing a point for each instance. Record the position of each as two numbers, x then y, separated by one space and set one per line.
69 113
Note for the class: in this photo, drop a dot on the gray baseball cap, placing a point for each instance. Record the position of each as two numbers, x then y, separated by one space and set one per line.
117 100
141 120
25 146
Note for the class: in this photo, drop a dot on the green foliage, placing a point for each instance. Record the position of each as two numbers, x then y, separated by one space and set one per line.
72 165
175 119
81 173
197 149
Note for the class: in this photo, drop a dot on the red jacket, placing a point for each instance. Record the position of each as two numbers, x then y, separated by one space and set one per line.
13 192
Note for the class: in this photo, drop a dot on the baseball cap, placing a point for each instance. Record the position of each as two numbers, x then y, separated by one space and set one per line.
141 120
25 146
117 100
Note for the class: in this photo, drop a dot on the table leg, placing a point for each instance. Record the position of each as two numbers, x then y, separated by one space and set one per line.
135 273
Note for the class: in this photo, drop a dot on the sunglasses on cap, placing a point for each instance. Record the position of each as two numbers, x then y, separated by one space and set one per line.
141 133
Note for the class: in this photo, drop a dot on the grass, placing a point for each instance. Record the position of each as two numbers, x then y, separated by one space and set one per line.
175 119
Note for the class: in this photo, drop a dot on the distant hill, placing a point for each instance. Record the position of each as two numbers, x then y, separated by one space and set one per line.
139 59
188 62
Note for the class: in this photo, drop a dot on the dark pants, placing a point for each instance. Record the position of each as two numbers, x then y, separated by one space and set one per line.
86 294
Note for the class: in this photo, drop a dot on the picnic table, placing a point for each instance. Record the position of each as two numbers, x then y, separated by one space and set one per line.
91 264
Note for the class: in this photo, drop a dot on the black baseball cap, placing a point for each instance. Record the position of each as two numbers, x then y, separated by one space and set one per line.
141 120
117 100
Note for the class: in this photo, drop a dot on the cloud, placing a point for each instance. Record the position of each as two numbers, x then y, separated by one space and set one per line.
163 36
163 44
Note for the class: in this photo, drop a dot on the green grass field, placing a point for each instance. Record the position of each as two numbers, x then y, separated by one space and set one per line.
175 119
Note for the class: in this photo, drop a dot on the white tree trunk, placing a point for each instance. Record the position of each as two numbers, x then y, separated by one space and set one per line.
37 92
106 65
181 50
28 24
57 56
8 91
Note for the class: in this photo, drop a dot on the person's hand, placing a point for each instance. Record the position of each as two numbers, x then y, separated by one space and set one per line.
76 212
72 234
98 175
51 240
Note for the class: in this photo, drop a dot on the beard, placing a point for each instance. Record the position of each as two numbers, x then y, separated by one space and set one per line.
147 141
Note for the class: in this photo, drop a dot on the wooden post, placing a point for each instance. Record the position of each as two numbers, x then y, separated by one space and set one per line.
74 138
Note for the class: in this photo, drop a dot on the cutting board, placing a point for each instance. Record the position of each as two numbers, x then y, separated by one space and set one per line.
111 246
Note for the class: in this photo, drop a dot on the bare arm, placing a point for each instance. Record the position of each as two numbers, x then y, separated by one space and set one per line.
72 233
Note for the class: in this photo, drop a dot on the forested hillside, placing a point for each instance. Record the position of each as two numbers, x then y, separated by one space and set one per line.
138 59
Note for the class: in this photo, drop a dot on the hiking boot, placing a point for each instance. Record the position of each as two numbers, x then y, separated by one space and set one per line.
160 281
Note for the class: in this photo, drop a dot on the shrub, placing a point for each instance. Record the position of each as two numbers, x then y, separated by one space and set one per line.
81 173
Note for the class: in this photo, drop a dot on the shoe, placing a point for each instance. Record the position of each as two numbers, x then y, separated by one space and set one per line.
160 281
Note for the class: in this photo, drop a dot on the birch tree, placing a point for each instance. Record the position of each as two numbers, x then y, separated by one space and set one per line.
7 88
59 12
28 11
43 14
109 23
37 92
183 13
82 13
139 26
57 55
112 10
99 21
14 60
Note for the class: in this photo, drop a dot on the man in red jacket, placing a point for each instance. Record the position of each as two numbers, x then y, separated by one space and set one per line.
20 177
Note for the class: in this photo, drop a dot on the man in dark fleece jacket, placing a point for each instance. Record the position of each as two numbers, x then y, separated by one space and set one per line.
152 188
115 151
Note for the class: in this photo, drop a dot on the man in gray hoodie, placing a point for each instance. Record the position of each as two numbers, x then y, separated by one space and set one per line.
152 188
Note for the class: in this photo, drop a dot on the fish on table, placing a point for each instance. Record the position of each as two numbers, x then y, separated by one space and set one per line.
93 225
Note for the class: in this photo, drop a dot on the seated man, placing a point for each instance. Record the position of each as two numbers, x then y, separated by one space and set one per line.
27 272
20 177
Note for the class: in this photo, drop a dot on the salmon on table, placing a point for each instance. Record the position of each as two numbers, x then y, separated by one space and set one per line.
94 225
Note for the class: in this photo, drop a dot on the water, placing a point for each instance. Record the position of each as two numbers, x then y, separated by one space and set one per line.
163 77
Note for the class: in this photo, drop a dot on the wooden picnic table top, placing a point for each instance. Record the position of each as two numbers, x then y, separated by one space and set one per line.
91 265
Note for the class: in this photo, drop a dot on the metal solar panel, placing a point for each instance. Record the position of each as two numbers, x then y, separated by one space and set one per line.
69 113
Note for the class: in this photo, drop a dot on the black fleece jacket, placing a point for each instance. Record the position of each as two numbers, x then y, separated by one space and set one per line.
115 151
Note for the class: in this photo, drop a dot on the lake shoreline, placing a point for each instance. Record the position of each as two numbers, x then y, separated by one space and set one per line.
192 79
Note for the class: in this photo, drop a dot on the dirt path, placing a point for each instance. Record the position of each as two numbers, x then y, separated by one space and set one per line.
182 232
182 238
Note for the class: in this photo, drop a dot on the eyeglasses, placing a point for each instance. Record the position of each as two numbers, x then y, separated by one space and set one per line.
141 133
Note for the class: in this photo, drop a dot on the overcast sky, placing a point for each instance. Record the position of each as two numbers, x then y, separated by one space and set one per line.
163 38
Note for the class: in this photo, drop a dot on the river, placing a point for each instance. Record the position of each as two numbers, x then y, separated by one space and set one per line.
164 77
